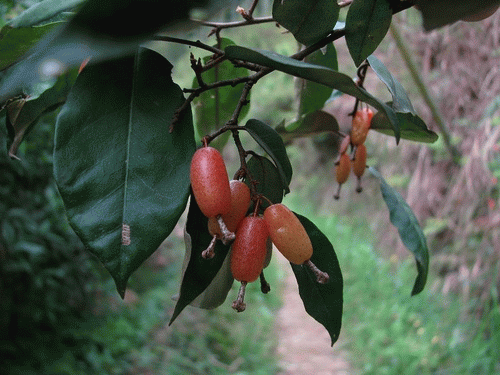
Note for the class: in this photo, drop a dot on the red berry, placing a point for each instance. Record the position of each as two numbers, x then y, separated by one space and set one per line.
240 200
288 234
249 249
210 182
343 169
359 162
361 122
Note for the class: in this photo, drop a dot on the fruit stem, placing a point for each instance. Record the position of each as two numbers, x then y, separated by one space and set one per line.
227 235
238 304
337 194
264 285
209 252
359 188
321 277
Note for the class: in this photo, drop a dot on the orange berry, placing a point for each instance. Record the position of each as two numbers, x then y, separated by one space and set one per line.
288 234
210 182
343 169
240 200
359 162
361 122
249 249
344 144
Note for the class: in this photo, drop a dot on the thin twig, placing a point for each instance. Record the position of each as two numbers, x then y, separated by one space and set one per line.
196 43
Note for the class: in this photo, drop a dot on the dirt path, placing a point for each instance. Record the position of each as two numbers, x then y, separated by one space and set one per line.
304 344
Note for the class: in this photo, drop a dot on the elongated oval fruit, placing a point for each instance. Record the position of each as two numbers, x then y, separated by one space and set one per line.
240 200
359 162
361 123
249 249
210 182
343 169
288 234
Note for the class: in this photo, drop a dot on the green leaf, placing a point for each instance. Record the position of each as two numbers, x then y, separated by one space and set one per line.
101 29
123 177
322 301
412 236
271 142
311 124
314 73
34 106
269 180
366 25
15 42
314 95
412 128
214 108
437 13
400 100
308 21
200 272
42 11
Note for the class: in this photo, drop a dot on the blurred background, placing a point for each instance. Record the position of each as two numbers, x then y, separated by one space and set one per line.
60 313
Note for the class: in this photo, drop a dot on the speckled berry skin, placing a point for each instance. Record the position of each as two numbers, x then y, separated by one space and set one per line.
249 249
361 123
359 162
288 234
210 182
343 169
240 200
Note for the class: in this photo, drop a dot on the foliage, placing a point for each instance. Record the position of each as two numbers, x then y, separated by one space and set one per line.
125 134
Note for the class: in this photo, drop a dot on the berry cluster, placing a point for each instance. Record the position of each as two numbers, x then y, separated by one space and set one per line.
226 204
361 123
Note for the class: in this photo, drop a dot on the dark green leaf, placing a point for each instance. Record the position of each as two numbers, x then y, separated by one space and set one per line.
14 43
214 108
308 21
437 13
269 181
42 11
313 123
314 95
199 272
101 29
315 73
123 177
272 143
366 25
400 100
412 127
412 236
322 301
35 106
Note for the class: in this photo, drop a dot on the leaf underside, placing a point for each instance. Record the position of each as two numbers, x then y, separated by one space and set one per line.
123 177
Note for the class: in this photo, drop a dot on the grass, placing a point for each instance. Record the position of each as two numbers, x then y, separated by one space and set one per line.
388 332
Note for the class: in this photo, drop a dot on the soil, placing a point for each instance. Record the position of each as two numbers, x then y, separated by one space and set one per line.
304 346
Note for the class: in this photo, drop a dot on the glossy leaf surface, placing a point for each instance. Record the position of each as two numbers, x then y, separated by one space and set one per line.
199 272
366 25
322 301
308 21
412 236
272 143
269 181
313 123
123 177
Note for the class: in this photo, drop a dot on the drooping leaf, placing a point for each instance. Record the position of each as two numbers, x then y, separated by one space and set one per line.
214 108
315 73
400 100
272 143
101 29
366 25
200 272
308 21
15 42
412 127
42 11
412 236
34 106
123 177
312 123
314 95
269 180
437 13
322 301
